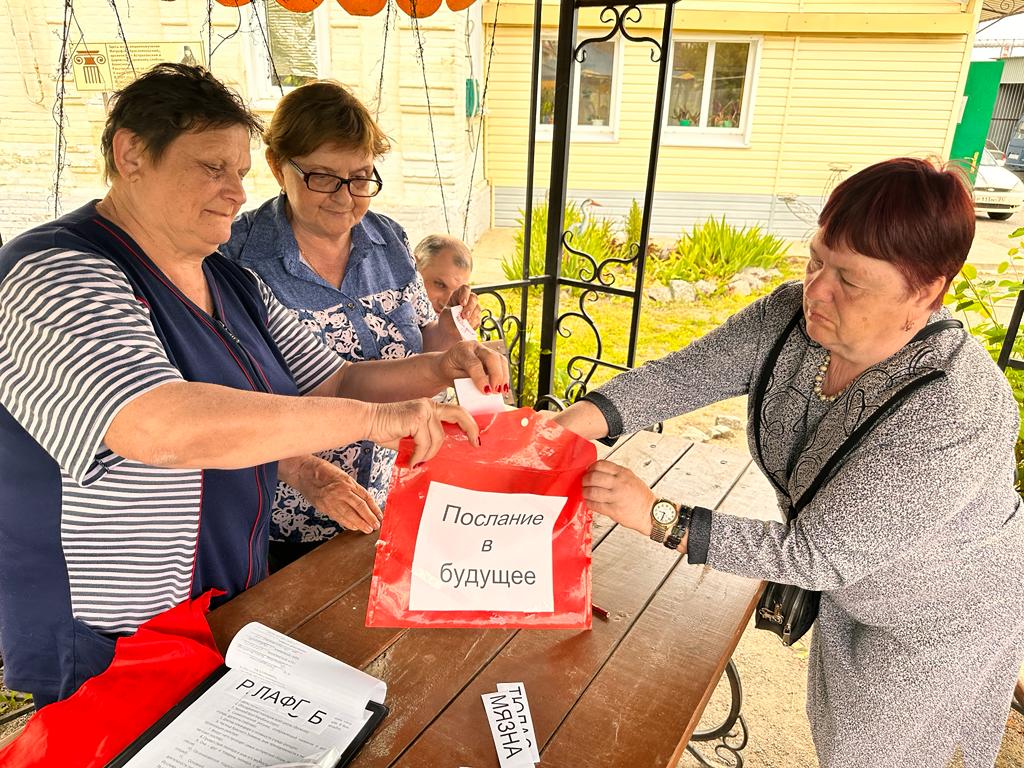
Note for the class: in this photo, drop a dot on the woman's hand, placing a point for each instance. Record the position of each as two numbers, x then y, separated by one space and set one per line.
421 420
464 297
333 492
616 492
487 368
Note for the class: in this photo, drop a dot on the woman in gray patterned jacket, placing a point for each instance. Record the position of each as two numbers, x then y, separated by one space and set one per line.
913 538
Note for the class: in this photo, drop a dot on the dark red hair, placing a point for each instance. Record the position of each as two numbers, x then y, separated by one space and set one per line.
915 215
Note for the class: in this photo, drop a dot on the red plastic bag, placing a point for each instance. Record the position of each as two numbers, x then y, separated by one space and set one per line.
464 531
152 671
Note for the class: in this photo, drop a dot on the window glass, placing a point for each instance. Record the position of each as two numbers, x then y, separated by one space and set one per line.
595 101
727 81
689 61
547 81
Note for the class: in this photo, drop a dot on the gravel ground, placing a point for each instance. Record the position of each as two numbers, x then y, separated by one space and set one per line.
774 682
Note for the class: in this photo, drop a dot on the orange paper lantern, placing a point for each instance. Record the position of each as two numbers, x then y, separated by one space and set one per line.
233 3
299 6
419 9
460 5
363 7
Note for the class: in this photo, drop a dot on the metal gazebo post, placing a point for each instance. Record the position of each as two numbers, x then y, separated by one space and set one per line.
564 75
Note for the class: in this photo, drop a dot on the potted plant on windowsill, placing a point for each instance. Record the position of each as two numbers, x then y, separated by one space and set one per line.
683 117
726 117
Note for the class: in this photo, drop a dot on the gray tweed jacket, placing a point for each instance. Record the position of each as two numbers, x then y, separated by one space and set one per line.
915 540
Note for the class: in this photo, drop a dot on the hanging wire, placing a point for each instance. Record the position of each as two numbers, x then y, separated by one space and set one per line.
60 147
209 33
225 38
266 43
430 112
383 58
480 125
470 26
124 39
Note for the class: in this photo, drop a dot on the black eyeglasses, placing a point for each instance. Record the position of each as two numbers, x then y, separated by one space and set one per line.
328 183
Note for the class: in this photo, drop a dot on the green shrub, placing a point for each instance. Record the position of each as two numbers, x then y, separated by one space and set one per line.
716 251
591 234
976 300
631 230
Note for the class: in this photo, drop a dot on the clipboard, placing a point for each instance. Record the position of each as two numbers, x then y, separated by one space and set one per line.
377 713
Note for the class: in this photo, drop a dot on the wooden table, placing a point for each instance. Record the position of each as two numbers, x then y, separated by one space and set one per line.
630 692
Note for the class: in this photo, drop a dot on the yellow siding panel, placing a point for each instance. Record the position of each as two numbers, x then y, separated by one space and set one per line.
818 102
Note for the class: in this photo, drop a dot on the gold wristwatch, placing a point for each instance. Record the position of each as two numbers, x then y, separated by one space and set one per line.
663 516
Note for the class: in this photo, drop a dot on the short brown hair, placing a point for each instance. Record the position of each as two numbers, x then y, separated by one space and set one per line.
914 214
322 112
167 101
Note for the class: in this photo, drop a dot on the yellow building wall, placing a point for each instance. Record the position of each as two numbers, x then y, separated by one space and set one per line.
353 53
821 100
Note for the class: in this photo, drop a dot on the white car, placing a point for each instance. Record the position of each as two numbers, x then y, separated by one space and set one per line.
997 191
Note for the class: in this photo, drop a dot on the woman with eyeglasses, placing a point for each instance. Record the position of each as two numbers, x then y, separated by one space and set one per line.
347 273
152 392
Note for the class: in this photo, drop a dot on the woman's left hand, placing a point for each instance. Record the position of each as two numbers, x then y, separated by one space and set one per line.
615 491
464 297
487 368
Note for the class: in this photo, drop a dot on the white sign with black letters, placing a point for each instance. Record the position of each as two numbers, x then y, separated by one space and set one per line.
484 551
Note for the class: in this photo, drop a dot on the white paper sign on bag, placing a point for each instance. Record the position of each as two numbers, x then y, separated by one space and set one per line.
484 551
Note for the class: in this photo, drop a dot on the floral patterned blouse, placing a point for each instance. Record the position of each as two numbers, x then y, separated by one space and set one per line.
376 314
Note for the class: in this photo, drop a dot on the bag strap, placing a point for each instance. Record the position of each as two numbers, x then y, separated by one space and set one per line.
762 386
858 434
861 431
932 328
881 412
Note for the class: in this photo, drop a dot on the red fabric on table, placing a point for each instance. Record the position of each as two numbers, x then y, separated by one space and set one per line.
152 671
520 452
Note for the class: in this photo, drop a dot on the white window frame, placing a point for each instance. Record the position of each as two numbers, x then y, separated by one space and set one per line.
588 133
263 94
710 136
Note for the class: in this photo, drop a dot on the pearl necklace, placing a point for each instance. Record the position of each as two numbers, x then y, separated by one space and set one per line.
819 380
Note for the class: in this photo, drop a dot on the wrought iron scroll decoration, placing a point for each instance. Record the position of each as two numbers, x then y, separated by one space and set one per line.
731 734
617 17
598 277
500 324
597 271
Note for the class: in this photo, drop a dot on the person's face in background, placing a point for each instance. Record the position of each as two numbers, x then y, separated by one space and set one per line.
441 277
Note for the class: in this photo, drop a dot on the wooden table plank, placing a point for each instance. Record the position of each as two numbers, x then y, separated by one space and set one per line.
299 591
649 454
664 671
555 665
753 496
558 667
586 680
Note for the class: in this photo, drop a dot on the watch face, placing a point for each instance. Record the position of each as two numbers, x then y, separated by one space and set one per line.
664 512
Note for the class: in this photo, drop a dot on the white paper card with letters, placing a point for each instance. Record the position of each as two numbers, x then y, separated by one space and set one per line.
510 741
521 710
484 551
475 401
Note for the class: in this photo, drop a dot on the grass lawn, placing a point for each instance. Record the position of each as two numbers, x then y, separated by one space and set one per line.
664 326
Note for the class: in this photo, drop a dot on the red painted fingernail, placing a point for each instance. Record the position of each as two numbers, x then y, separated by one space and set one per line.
487 389
506 388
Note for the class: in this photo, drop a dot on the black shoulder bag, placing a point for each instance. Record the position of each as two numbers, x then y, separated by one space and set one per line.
785 609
